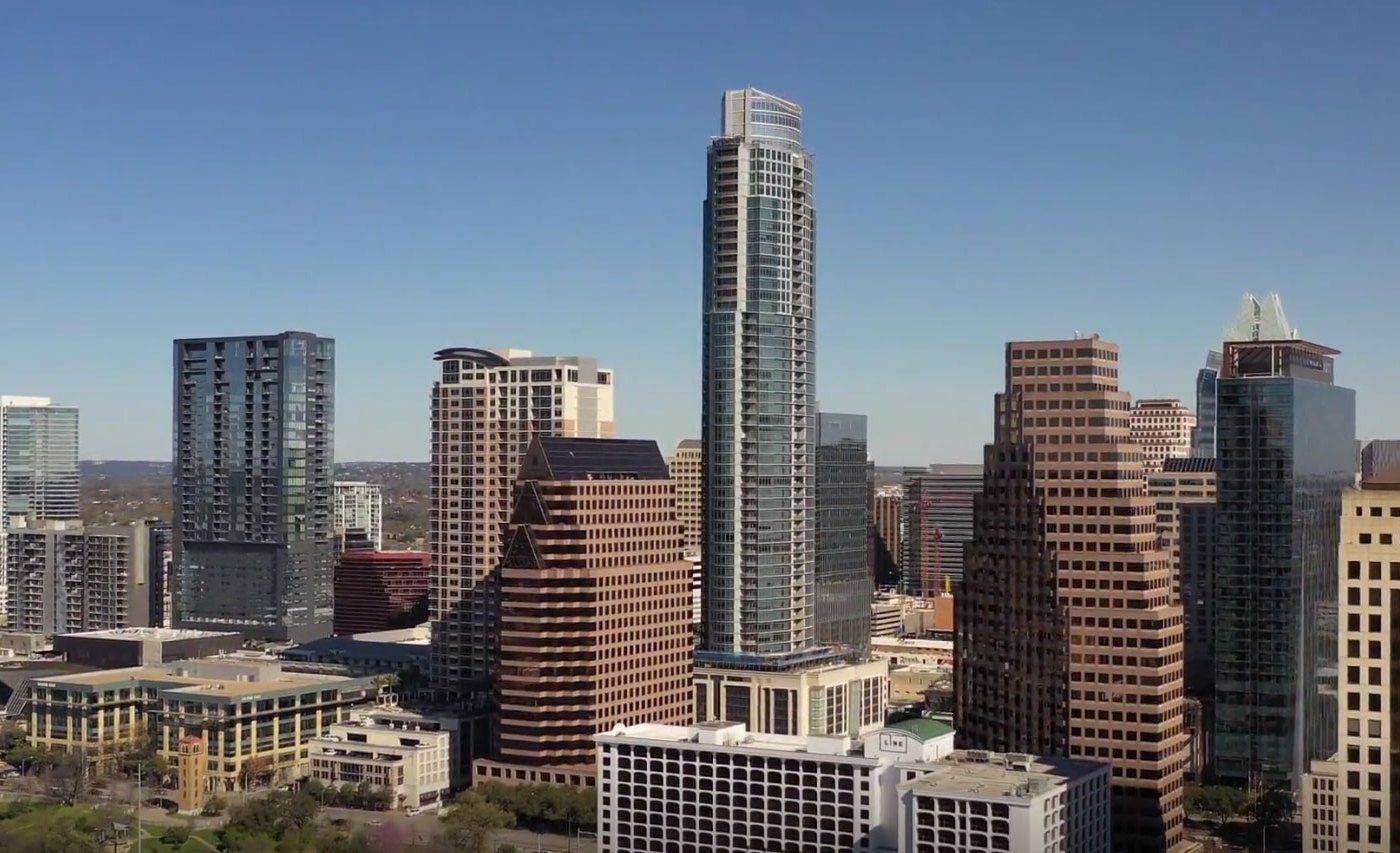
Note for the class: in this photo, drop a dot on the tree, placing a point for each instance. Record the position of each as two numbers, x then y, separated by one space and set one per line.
1215 802
257 769
214 805
175 835
468 826
66 780
275 815
1270 807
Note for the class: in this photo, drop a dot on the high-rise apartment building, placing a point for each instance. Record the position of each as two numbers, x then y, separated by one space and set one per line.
888 527
1285 449
254 445
685 467
38 459
65 578
595 607
1011 631
844 587
937 526
758 403
359 514
1162 428
1125 638
38 464
1203 435
486 407
162 577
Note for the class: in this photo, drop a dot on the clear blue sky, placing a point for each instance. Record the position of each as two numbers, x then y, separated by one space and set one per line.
409 176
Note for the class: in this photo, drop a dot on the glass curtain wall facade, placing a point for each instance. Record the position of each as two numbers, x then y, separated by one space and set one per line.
1287 448
38 459
1203 435
758 400
938 526
253 449
38 468
844 587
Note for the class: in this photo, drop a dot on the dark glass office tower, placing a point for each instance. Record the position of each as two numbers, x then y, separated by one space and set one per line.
253 448
1203 434
843 576
937 526
1286 448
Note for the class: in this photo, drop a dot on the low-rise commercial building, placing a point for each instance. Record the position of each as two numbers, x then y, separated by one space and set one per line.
123 647
717 786
901 651
409 754
974 800
832 699
374 652
255 717
895 615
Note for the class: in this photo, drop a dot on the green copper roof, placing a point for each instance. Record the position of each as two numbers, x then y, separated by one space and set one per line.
923 728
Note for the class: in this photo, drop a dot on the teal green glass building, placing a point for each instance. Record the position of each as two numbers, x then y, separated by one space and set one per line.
1286 447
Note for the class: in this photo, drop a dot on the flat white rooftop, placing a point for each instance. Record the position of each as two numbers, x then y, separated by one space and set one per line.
717 733
1000 775
152 634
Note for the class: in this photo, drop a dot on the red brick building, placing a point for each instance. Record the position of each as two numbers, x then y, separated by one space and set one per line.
380 590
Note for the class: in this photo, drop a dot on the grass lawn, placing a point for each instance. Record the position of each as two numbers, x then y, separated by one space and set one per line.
153 843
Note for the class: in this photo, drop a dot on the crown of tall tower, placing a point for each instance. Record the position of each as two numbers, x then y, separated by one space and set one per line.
1260 320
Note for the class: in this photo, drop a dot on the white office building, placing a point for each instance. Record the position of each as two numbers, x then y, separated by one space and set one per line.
980 801
359 510
405 752
717 786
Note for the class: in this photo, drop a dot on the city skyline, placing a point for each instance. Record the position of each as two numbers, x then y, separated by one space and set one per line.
1071 182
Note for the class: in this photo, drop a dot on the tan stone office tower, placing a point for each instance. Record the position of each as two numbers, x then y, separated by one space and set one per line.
486 407
1125 634
1162 428
685 467
595 607
1368 772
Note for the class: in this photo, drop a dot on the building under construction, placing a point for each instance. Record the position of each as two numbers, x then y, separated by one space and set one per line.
937 524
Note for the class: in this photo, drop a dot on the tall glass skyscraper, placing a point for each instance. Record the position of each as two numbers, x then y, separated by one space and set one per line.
38 459
844 586
1286 447
1203 434
254 444
758 403
38 468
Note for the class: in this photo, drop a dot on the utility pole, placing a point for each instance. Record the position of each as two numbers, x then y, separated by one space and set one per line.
138 806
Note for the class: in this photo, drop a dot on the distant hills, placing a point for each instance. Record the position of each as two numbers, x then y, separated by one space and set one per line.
118 491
